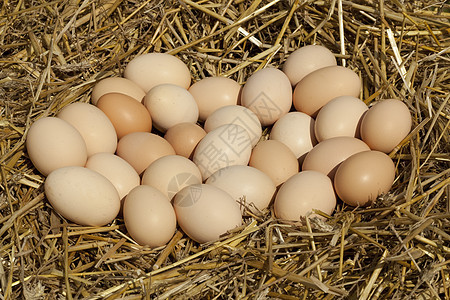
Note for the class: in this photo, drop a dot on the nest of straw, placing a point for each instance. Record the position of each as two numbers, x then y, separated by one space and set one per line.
52 53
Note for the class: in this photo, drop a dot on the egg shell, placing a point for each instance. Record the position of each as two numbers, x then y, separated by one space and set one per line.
151 69
170 104
295 130
184 138
249 186
126 114
117 170
302 193
212 93
239 115
274 159
94 126
227 145
205 212
140 149
321 86
385 125
169 174
305 60
268 93
149 217
53 143
116 85
326 156
362 177
340 117
82 196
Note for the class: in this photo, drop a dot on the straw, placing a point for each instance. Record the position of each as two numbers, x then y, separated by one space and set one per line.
53 53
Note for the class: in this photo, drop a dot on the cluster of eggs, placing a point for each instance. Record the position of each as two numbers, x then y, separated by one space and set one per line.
139 150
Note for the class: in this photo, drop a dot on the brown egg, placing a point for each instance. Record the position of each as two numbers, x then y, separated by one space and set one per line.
151 69
82 195
94 126
53 143
119 172
385 125
116 85
140 149
340 117
170 104
227 145
149 217
247 185
295 130
326 156
317 88
362 177
170 173
205 212
275 159
268 93
236 114
305 60
212 93
184 137
302 193
125 113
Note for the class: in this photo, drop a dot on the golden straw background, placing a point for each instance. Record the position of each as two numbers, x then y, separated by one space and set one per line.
52 54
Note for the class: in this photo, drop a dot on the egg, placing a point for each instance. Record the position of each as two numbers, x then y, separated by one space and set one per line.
53 143
117 170
385 125
249 186
170 104
212 93
227 145
321 86
94 126
82 196
302 193
151 69
340 117
169 174
326 156
148 216
268 93
140 149
362 177
296 131
116 85
125 113
239 115
184 137
274 159
205 212
305 60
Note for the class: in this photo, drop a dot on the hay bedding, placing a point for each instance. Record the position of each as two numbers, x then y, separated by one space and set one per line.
53 52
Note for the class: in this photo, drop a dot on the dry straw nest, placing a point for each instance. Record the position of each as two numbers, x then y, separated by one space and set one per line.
53 52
